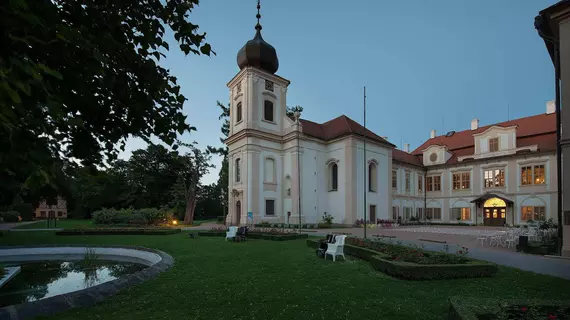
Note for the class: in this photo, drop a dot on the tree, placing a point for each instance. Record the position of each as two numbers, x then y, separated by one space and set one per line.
223 182
77 78
290 111
191 168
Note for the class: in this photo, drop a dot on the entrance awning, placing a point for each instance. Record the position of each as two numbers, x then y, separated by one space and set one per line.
488 196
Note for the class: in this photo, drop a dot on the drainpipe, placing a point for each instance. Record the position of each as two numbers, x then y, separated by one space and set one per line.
540 23
425 195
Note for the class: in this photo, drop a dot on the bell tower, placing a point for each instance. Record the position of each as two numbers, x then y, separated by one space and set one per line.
257 119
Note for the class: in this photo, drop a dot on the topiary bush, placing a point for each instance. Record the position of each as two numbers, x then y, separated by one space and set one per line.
10 216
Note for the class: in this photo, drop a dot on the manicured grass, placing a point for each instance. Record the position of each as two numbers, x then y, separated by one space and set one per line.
257 279
62 223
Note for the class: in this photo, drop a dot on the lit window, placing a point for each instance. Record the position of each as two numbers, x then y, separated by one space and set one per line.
461 181
268 111
533 175
461 213
238 112
494 144
533 213
394 179
494 178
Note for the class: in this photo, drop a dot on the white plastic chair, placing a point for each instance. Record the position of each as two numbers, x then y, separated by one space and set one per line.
511 240
481 238
231 233
337 248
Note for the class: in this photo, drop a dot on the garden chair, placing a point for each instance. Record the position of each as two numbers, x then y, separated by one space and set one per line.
482 237
336 248
511 240
231 233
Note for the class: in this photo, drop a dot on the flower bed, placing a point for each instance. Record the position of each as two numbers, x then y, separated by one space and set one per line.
258 233
117 231
492 309
429 265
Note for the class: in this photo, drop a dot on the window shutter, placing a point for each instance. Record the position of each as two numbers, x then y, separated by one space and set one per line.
484 145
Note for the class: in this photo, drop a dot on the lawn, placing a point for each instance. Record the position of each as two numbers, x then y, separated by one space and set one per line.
257 279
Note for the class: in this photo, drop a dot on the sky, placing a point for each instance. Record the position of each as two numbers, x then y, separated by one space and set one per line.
426 65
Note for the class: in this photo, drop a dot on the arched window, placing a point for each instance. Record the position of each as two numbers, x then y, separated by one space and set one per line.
333 172
238 170
372 184
268 111
269 170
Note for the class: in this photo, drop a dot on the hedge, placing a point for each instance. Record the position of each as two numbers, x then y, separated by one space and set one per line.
468 308
10 216
115 231
262 236
414 271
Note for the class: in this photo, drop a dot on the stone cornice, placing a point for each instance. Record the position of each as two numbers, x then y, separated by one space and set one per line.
254 71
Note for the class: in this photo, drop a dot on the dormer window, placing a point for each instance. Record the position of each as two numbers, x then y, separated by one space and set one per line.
268 85
494 144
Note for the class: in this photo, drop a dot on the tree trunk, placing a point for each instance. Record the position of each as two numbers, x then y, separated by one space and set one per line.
190 206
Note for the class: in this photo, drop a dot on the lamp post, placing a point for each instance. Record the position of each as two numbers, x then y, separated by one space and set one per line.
297 115
365 163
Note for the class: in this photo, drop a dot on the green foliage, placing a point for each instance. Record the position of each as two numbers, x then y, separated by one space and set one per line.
290 111
77 78
125 216
415 264
327 219
201 266
25 210
470 308
10 216
117 231
90 258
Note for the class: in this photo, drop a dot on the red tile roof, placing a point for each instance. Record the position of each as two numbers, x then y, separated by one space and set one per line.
337 128
539 129
405 157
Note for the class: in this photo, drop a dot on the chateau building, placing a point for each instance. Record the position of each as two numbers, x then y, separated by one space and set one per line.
285 169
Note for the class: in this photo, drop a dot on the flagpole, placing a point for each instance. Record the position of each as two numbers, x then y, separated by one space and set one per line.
365 190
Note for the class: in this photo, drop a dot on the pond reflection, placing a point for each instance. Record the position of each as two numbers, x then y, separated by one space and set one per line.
40 280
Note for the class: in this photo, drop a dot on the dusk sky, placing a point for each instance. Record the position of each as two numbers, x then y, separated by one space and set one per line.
425 64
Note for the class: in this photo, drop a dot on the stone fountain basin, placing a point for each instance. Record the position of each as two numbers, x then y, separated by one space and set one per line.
155 260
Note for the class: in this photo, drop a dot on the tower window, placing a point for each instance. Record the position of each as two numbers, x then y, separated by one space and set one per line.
268 111
238 170
238 112
268 85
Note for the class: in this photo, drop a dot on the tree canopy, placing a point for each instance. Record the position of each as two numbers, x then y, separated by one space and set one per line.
77 78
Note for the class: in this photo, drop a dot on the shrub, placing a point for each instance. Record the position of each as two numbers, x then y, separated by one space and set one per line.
10 216
125 216
327 219
154 216
25 210
468 308
117 231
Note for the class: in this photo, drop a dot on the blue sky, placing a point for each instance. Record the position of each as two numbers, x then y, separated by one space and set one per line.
426 64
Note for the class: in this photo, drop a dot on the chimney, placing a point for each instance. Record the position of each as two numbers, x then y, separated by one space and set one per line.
407 147
551 107
432 134
475 124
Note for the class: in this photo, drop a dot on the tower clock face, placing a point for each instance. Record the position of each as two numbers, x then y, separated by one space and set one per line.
433 157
